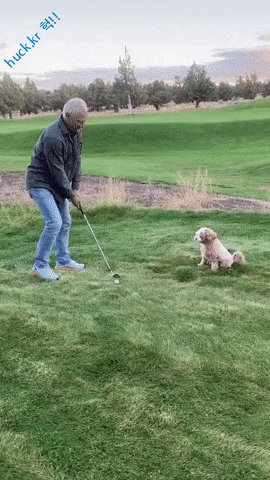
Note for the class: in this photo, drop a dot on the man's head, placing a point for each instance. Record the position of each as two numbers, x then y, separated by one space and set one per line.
75 114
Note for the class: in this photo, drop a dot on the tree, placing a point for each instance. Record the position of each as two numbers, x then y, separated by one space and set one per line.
247 88
82 92
119 97
3 106
197 85
45 100
225 91
11 96
67 92
158 93
139 95
266 89
127 77
178 93
250 89
239 87
56 100
98 95
31 98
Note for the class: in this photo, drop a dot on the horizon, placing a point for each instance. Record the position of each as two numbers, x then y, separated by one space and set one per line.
144 75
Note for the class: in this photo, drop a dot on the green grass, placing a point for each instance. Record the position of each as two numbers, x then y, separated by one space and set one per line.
231 142
165 376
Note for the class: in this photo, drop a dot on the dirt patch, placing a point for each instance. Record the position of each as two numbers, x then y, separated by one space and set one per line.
13 191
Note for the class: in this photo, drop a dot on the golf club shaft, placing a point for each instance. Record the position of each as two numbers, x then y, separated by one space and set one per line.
107 263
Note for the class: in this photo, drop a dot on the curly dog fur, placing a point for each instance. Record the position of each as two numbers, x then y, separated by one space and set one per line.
214 253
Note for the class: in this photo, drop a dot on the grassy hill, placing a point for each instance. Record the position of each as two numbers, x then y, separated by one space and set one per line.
231 142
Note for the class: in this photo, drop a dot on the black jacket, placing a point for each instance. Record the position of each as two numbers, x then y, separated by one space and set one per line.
56 161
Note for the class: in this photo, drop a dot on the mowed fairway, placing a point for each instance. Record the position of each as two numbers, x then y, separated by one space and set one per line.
231 142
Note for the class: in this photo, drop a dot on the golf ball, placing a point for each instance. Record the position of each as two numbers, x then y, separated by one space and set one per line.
116 281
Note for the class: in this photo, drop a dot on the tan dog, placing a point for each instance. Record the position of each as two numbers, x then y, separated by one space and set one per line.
214 253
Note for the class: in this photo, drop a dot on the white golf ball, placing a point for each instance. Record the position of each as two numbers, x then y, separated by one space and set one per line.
116 281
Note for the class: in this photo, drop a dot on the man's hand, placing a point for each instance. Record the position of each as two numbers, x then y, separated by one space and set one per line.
76 200
76 193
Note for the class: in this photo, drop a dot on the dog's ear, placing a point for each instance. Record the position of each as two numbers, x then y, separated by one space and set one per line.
210 235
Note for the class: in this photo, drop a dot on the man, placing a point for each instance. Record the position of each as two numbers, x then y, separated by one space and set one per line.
53 179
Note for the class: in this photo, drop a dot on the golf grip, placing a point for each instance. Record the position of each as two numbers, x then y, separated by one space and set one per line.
80 208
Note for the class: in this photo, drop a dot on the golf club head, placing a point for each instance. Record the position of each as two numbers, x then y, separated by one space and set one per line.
116 278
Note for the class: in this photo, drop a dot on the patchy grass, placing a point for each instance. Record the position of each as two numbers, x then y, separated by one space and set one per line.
165 376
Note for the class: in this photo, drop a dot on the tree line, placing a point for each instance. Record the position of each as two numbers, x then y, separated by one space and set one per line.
127 92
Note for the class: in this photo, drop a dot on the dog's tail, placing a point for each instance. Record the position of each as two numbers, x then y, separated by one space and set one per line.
239 258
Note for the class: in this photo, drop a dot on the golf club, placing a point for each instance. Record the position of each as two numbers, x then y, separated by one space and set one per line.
115 276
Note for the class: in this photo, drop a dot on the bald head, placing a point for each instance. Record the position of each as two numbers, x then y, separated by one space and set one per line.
75 113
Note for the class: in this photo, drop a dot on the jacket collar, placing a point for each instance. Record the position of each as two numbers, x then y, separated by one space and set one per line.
63 126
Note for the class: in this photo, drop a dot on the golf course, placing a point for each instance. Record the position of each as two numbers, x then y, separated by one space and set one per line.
231 142
166 375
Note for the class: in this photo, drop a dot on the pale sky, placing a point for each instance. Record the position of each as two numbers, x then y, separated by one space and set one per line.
93 34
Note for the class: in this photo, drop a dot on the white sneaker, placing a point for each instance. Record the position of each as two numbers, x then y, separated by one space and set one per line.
46 273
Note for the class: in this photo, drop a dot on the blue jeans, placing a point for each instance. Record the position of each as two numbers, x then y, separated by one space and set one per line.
57 227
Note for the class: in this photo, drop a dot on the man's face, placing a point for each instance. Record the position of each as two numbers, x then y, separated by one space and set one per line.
76 123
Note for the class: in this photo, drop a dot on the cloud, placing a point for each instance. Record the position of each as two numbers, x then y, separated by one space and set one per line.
264 38
235 62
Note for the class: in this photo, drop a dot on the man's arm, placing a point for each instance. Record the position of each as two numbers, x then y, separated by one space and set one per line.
78 172
77 176
55 163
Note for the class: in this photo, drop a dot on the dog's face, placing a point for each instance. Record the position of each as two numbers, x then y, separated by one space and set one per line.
205 235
